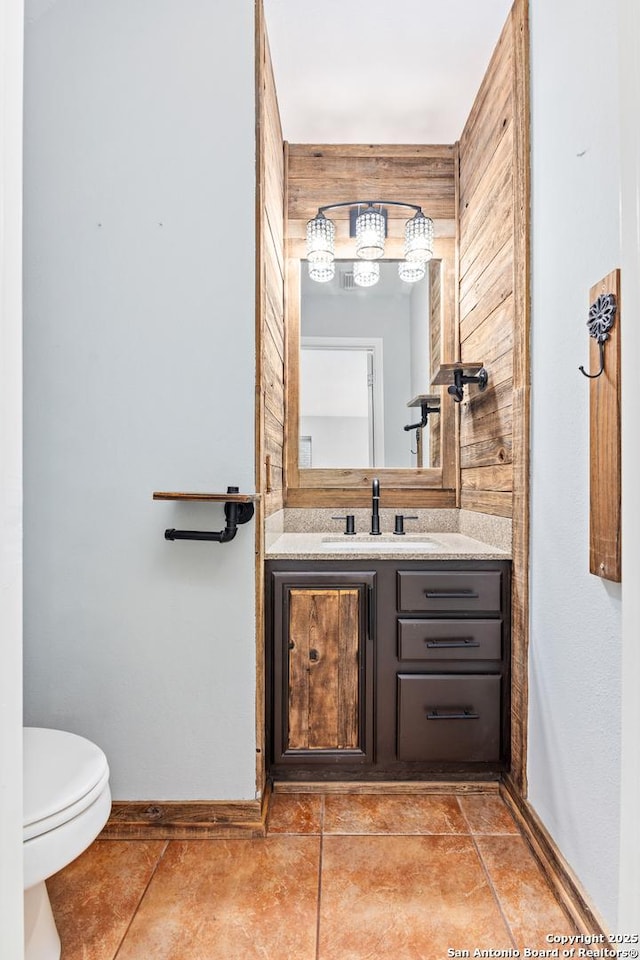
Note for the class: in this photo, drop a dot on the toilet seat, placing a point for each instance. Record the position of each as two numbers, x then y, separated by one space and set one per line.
64 774
67 802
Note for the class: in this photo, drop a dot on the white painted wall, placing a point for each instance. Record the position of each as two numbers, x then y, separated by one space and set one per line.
418 342
387 317
139 375
11 879
337 442
575 656
629 100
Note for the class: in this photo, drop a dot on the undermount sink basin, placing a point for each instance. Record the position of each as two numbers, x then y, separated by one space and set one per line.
388 544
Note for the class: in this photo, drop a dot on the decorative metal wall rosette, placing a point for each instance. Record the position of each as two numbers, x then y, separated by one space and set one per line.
602 314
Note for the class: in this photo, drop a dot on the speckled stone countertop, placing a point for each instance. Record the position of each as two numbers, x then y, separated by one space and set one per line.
362 546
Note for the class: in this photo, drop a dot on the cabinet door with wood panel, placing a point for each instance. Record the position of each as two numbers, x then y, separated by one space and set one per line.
322 667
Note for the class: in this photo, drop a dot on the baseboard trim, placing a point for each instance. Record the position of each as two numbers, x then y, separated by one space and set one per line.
186 820
564 883
387 788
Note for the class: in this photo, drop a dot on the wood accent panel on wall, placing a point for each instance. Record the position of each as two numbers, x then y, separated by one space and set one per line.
487 316
335 173
323 669
270 347
494 294
605 451
319 174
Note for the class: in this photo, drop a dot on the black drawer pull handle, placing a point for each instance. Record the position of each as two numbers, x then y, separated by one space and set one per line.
461 715
451 594
462 642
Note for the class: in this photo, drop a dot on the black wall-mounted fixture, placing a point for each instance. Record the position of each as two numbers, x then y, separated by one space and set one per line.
461 374
238 509
602 315
428 403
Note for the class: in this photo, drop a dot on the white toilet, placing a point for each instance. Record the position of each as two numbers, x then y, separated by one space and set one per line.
66 804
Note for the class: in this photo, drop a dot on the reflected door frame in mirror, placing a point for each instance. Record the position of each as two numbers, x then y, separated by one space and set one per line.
426 487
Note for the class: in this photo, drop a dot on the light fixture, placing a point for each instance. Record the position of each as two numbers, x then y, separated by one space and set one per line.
371 230
418 238
366 273
411 270
368 224
321 235
322 272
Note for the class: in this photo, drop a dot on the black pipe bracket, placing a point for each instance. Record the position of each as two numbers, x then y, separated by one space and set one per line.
235 514
460 378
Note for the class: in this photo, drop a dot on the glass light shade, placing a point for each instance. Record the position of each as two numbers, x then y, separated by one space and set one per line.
366 273
370 234
322 272
321 236
418 238
411 270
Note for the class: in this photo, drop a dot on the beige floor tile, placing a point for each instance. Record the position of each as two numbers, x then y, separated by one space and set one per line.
405 898
403 814
95 897
295 813
487 813
230 900
527 901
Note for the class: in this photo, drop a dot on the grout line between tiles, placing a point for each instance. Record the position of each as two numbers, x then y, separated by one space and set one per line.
493 891
399 833
142 896
464 816
319 897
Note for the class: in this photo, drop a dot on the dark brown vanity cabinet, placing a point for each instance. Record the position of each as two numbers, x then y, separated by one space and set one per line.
388 669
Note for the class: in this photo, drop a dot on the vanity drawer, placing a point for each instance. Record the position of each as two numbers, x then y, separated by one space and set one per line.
459 590
448 718
449 639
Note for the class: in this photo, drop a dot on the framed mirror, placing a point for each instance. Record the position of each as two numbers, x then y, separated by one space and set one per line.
359 362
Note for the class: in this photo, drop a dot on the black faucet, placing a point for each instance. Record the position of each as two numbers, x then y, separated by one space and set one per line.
375 505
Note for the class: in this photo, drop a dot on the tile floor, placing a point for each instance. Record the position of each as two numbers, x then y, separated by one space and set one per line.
336 878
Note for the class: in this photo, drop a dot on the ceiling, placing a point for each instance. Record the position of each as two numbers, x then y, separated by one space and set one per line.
380 71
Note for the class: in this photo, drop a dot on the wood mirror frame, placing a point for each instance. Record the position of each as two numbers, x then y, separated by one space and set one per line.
413 486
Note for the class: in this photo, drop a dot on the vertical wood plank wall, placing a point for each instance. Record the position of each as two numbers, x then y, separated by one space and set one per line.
271 336
494 299
487 316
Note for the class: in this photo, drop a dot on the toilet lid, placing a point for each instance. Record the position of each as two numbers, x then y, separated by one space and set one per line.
63 775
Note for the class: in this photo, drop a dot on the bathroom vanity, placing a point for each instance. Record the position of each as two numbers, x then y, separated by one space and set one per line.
389 664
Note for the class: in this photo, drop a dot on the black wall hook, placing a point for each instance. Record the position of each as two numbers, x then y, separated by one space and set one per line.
602 315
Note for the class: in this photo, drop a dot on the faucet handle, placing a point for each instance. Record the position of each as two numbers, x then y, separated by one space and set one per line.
351 524
399 524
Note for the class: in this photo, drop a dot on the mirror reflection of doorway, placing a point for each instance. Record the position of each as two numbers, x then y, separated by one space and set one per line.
341 402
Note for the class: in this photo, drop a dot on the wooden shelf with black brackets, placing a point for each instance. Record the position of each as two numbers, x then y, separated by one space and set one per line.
428 403
238 509
208 497
446 372
456 375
